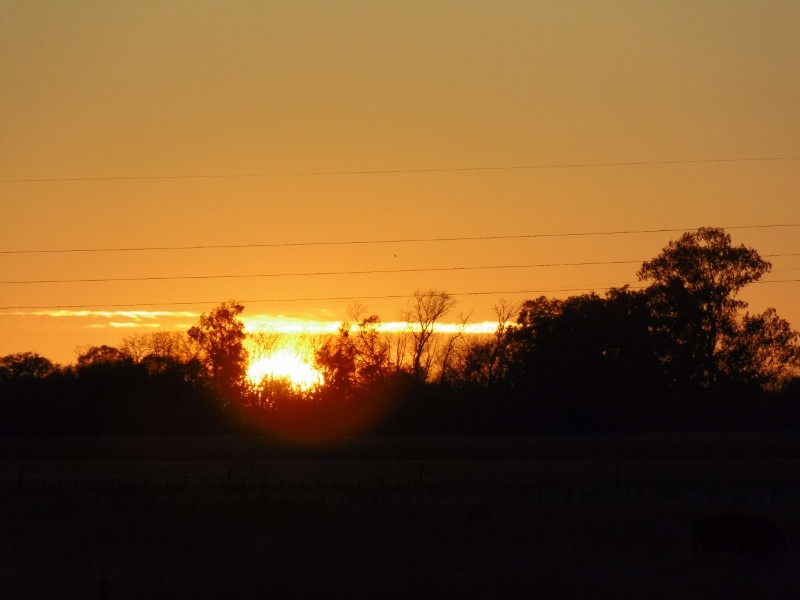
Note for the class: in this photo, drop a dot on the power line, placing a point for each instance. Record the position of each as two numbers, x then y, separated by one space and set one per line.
338 298
319 273
273 300
401 171
386 241
327 273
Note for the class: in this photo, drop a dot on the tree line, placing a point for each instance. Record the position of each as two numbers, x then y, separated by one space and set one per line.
680 352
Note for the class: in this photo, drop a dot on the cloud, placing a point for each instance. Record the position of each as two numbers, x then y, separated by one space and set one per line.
281 324
153 319
117 319
125 325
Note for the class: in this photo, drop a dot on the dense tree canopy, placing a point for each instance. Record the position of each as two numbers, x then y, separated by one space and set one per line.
220 338
102 355
763 351
695 281
336 358
23 366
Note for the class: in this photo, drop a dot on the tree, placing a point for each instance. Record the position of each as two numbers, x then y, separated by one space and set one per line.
585 360
421 315
693 297
486 361
24 366
535 326
451 357
220 339
765 351
373 350
102 356
137 346
336 360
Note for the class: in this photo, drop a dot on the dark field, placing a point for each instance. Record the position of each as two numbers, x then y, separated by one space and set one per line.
569 516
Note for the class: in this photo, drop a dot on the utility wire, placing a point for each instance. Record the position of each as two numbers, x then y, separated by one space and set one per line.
273 300
325 273
317 273
403 171
338 298
387 241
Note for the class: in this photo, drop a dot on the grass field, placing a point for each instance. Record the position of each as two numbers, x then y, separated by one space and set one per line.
558 516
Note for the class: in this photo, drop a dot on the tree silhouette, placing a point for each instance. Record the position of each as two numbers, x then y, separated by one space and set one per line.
695 282
373 350
102 355
336 360
422 313
220 338
586 360
631 358
764 351
453 353
25 366
486 359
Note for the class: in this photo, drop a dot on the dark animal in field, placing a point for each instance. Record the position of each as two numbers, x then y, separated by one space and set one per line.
737 542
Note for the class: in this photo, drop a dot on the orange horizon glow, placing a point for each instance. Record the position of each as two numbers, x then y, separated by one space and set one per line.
285 363
291 358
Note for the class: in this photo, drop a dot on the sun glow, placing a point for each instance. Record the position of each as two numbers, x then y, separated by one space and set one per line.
281 348
285 363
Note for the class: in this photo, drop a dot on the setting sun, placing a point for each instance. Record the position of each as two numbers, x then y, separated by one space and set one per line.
285 363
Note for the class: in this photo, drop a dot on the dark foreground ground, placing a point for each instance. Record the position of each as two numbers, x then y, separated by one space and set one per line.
540 517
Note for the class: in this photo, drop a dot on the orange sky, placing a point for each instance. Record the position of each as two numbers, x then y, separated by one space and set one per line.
284 91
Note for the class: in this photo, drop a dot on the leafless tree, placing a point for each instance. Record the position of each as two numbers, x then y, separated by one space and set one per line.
422 313
137 346
262 343
173 345
498 356
399 344
452 350
486 359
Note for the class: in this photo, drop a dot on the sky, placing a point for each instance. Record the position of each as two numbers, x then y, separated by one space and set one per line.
300 130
